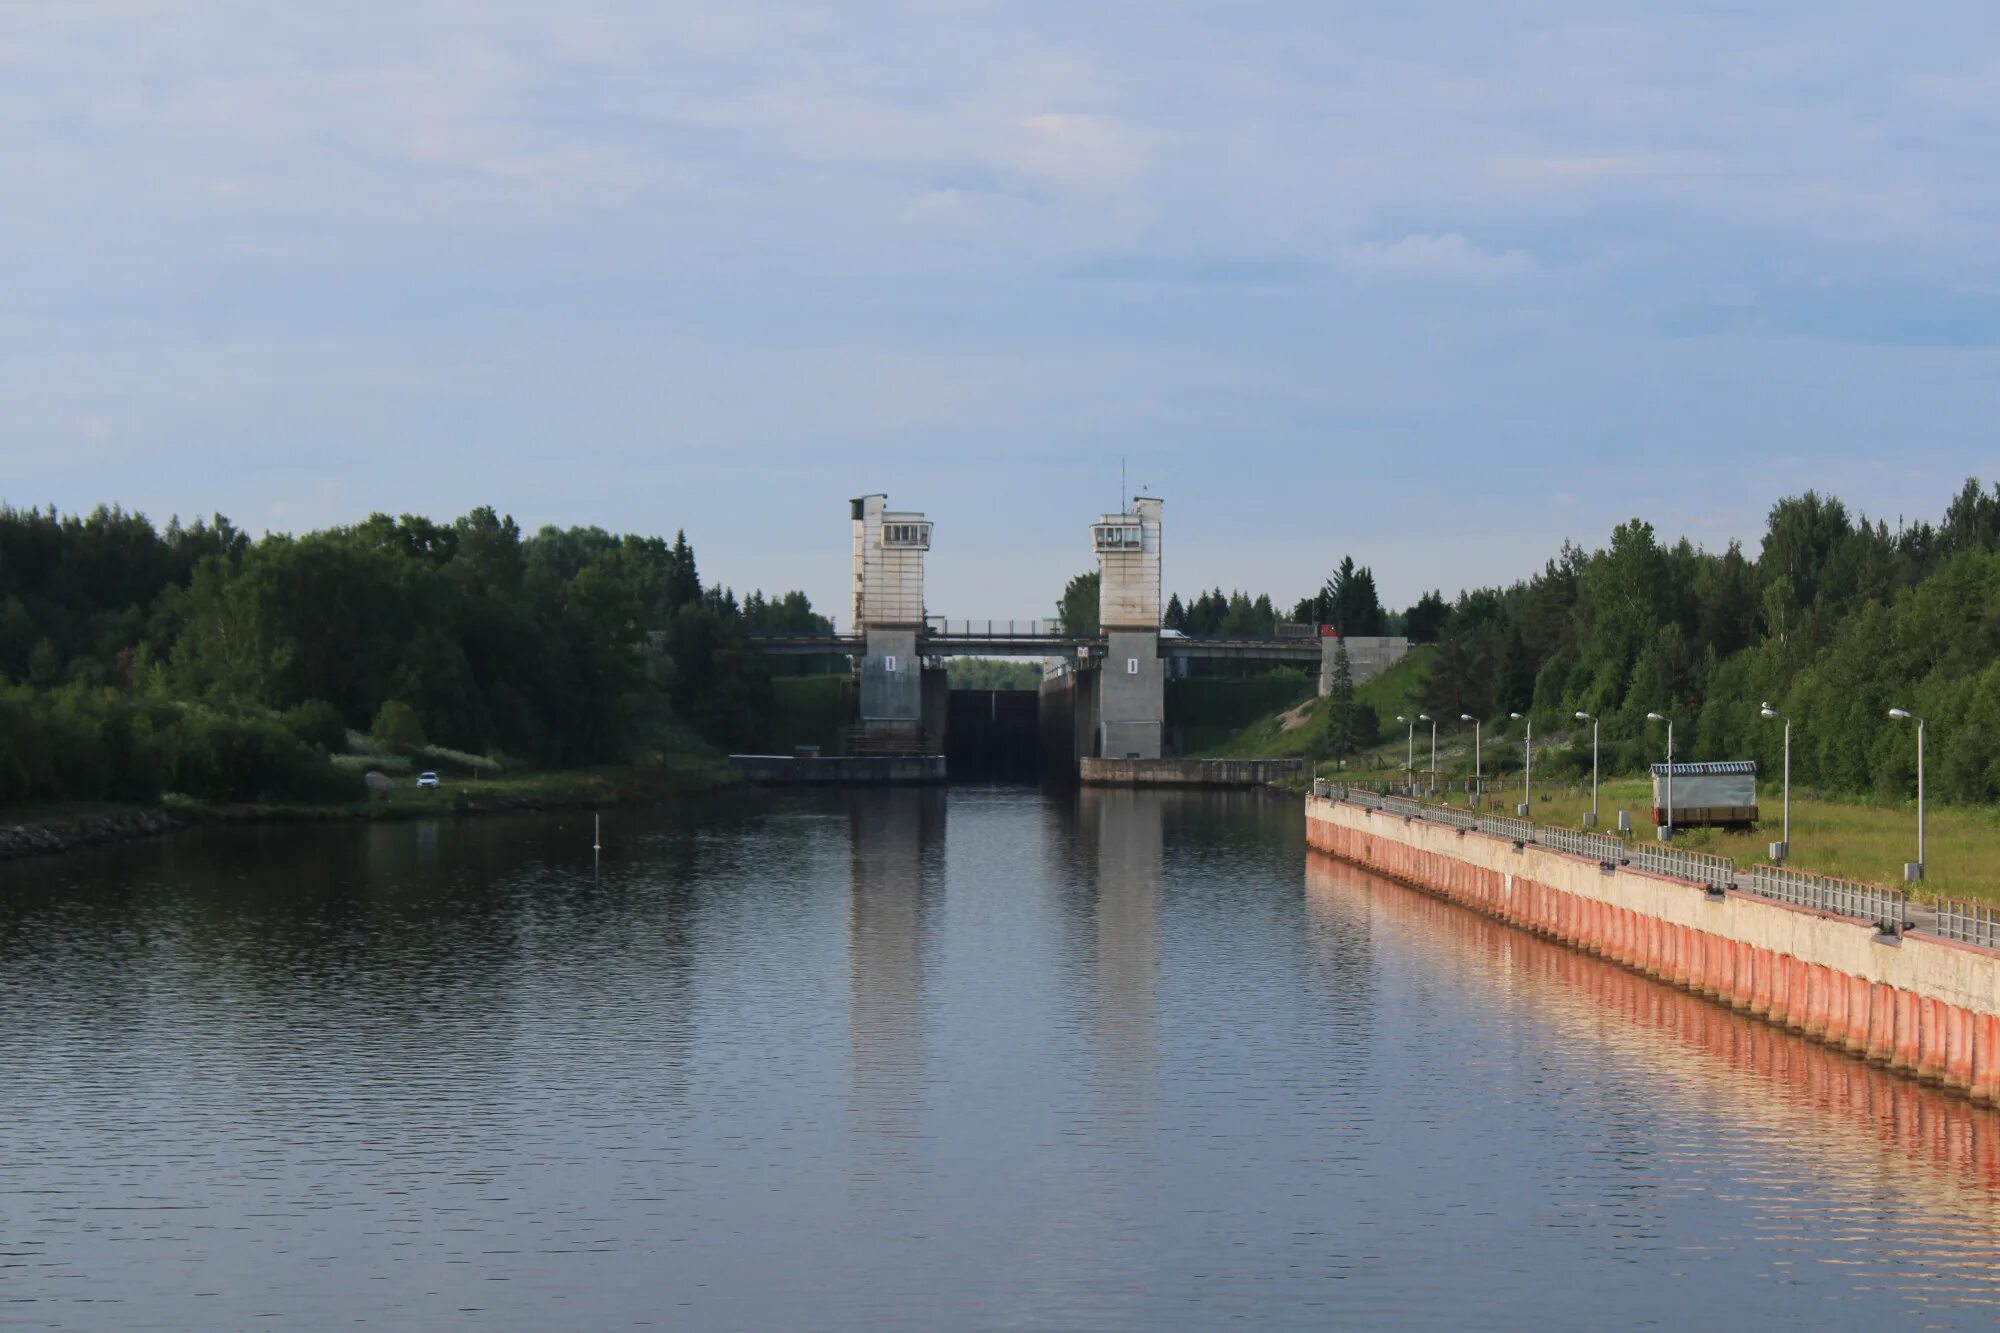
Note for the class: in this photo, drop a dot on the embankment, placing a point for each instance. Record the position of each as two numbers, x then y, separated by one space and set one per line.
1926 1007
44 835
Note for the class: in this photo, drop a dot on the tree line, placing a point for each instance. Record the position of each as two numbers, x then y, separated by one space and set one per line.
1836 620
196 659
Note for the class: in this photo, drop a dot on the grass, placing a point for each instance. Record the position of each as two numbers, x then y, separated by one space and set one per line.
1851 838
1388 694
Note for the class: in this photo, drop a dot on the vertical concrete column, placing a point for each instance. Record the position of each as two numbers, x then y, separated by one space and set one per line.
1909 1027
1930 1040
1881 1022
1958 1047
1986 1059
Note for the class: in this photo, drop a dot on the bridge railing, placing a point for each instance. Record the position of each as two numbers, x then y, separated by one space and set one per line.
938 627
1969 922
1828 893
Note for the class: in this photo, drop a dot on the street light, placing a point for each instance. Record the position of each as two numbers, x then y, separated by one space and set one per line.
1528 767
1915 873
1585 717
1477 785
1426 717
1656 717
1409 756
1770 715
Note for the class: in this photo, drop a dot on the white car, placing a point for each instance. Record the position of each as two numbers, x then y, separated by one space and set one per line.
427 779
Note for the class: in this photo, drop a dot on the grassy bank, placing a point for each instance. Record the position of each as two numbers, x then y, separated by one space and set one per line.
34 829
1273 737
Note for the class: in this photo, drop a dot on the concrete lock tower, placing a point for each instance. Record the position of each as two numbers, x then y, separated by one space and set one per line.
1131 693
889 548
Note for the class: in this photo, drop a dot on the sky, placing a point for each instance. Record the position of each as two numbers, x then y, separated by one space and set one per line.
1433 284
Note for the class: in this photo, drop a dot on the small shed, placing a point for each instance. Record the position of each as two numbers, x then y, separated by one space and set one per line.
1722 793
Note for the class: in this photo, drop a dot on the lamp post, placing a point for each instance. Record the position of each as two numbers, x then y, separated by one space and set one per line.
1585 717
1426 717
1409 756
1770 714
1478 785
1527 766
1915 873
1669 827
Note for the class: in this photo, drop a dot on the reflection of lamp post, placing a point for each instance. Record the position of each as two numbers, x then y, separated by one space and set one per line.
1915 873
1409 757
1767 712
1527 766
1585 717
1426 717
1656 717
1478 786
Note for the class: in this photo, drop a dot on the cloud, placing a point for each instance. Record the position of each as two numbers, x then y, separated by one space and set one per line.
1446 256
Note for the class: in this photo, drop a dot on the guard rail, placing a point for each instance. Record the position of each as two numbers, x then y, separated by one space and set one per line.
1888 908
1969 923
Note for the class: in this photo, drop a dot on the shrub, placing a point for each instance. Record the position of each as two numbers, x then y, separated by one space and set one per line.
398 725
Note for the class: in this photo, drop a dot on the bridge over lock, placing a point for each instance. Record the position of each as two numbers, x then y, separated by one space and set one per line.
1102 693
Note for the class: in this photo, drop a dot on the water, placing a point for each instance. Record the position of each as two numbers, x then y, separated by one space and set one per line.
977 1058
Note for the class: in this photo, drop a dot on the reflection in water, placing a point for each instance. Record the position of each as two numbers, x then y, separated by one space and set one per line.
818 1059
896 866
1804 1120
1124 829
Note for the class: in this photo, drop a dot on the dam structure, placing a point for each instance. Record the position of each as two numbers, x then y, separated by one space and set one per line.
1104 693
1840 961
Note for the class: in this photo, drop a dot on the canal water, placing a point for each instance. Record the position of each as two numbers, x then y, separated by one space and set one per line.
966 1058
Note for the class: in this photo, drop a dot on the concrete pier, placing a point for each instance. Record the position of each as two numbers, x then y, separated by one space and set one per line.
786 770
1924 1006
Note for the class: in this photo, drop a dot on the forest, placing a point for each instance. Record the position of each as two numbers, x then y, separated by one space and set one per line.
137 660
1835 621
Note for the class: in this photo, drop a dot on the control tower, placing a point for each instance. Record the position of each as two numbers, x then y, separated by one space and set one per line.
889 548
1132 693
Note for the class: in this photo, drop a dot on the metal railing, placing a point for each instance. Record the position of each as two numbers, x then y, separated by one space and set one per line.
1828 893
1596 846
1969 923
1450 818
939 628
1506 826
1715 871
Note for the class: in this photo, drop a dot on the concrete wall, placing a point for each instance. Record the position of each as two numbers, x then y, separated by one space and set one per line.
936 698
1367 657
1067 721
1187 772
1925 1006
1132 700
892 696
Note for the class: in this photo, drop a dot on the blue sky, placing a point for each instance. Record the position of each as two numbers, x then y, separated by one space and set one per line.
1435 284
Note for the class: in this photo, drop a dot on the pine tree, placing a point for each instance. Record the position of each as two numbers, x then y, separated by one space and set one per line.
1340 724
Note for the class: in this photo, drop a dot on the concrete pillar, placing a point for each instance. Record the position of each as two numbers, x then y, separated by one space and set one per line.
1133 697
892 691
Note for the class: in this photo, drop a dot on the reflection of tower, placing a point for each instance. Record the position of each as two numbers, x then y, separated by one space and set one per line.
1128 837
895 839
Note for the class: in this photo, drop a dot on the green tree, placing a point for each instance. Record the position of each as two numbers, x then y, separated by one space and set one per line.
398 726
1077 608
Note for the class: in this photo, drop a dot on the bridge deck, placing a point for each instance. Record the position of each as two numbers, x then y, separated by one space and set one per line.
1046 645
